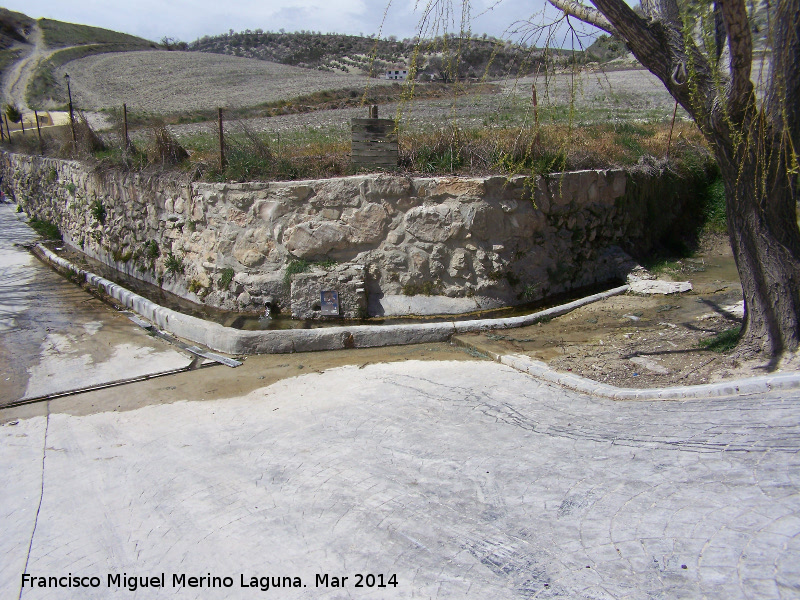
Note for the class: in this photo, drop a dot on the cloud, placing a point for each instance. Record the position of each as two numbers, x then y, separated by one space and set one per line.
191 19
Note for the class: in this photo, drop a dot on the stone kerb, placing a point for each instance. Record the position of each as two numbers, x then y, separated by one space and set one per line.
235 341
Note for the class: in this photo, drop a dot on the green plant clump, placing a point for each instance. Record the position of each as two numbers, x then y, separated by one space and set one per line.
120 256
723 342
427 288
225 278
46 229
98 211
174 264
295 267
151 250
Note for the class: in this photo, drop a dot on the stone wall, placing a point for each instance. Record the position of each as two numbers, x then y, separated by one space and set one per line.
389 245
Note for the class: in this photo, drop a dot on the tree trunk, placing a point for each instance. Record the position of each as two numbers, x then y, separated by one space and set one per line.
761 210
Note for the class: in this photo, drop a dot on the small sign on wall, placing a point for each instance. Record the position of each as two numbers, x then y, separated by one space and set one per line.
329 303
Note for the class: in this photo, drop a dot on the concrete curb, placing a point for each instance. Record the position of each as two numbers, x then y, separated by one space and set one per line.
236 341
738 387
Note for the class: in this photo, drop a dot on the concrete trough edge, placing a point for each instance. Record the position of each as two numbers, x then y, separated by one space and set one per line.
737 387
235 341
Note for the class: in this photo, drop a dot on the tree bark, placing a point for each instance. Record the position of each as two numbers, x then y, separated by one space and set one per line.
756 148
765 240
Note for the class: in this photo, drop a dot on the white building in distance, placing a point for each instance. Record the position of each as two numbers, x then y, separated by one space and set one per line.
398 74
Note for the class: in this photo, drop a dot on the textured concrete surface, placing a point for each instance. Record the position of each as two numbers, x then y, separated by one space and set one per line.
465 480
54 336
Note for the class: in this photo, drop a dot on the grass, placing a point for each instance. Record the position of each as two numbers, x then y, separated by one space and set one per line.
293 268
45 228
225 278
308 153
58 33
8 57
724 341
716 220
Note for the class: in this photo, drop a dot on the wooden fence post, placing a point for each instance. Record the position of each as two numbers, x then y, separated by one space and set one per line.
8 129
126 139
222 162
38 131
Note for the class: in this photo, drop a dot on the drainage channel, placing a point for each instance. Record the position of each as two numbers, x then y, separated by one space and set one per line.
241 342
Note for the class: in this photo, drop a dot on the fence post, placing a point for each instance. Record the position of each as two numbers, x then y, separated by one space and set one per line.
222 161
126 140
8 129
38 131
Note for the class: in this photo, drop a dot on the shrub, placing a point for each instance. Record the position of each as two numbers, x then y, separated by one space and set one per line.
151 250
165 149
174 264
98 211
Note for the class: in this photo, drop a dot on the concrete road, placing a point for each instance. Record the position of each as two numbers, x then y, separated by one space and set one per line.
450 479
54 337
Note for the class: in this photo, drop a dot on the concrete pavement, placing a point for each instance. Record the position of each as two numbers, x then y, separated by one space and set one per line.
463 480
437 479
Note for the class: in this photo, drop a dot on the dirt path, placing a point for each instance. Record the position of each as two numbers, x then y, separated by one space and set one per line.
19 77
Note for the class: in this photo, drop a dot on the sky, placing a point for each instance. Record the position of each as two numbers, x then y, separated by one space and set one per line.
188 20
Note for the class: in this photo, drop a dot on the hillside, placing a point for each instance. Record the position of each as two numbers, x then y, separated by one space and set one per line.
58 34
14 27
32 50
162 82
438 59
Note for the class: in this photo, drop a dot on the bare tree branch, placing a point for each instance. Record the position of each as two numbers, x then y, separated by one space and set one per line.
584 13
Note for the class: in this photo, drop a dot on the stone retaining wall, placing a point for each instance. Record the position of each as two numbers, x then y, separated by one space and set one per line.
389 245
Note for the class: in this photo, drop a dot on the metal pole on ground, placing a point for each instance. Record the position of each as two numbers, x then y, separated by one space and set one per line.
222 161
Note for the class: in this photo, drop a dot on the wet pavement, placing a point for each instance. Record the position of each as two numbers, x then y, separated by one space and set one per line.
55 336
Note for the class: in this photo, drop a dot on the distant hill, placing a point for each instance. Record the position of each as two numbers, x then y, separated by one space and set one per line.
439 59
37 48
14 27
